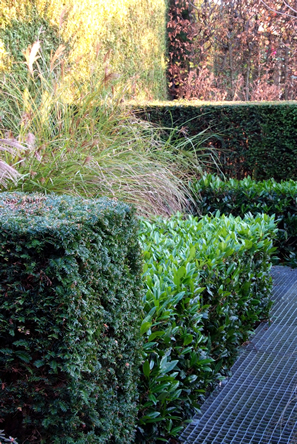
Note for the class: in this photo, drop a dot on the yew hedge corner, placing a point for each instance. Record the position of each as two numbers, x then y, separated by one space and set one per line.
70 285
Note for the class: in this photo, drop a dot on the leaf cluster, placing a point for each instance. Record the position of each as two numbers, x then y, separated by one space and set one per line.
235 197
70 285
207 283
181 34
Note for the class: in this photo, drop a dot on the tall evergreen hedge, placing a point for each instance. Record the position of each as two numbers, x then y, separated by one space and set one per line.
256 139
70 290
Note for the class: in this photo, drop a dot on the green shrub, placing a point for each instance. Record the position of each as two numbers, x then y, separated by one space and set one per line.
70 282
239 197
256 139
207 284
19 32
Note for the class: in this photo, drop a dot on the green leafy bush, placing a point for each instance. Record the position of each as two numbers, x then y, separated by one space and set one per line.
239 197
24 27
70 290
253 137
207 284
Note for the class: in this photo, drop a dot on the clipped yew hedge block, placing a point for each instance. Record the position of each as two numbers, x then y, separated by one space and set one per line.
70 285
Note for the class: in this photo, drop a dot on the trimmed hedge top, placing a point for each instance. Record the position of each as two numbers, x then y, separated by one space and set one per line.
211 194
37 212
248 137
248 185
200 103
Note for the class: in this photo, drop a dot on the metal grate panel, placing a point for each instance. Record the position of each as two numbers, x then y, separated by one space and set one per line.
258 403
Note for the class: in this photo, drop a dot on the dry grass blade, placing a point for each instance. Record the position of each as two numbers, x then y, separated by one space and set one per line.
56 56
8 173
63 16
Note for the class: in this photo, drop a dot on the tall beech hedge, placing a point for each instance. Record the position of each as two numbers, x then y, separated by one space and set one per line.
238 197
70 286
256 139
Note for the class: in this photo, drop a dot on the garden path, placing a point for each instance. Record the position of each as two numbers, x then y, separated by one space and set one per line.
258 403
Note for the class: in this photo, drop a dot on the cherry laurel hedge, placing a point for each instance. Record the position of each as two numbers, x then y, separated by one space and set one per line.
70 280
238 197
256 139
207 284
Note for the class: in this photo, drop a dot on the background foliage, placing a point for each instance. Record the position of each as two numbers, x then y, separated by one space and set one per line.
228 50
181 34
130 33
233 50
250 138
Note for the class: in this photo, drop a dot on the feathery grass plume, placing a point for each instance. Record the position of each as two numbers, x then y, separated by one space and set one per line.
81 140
55 58
31 56
7 172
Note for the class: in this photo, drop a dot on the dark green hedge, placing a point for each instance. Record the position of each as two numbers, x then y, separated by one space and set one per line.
240 197
70 281
256 139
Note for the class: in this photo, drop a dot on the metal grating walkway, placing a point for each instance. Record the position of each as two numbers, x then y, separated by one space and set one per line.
258 403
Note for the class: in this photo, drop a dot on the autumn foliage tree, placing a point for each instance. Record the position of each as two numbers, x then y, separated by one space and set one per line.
181 37
234 50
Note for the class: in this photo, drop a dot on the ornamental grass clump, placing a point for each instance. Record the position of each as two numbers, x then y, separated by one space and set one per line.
79 139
